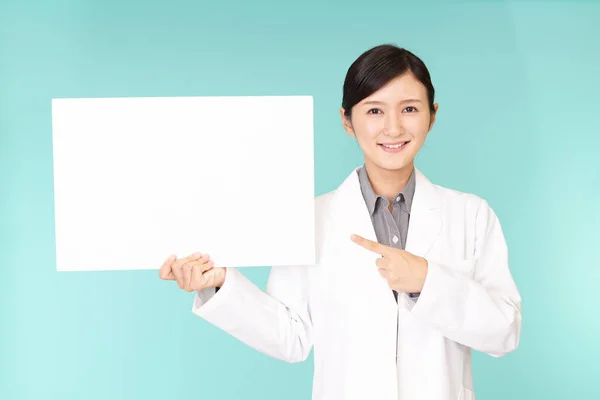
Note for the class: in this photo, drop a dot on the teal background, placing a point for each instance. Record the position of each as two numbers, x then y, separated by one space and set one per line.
517 84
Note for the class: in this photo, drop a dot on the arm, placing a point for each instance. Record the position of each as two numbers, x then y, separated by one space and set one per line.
276 322
482 312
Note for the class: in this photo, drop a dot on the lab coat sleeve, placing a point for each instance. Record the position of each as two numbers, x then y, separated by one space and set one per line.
480 309
276 322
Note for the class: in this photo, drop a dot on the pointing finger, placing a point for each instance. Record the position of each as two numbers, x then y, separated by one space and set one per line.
371 245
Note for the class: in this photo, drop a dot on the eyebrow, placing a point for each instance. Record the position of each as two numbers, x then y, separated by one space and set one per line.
402 102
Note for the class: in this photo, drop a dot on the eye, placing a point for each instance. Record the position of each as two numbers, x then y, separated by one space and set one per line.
410 109
374 111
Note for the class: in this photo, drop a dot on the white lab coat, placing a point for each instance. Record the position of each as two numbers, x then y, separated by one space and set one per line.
345 310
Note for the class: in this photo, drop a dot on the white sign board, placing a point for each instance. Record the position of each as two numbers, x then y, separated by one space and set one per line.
138 179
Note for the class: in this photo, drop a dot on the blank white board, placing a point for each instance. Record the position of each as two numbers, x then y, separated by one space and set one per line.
138 179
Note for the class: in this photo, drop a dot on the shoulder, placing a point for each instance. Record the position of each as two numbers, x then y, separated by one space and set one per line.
452 197
324 205
471 206
323 200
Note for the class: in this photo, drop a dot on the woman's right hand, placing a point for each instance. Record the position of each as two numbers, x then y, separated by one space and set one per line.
194 272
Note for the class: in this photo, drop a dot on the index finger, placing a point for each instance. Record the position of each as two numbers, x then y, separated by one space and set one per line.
370 245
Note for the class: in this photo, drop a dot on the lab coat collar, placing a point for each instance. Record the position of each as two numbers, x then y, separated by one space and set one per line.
425 220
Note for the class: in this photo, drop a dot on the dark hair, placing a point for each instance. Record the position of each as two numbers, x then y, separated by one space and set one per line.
376 67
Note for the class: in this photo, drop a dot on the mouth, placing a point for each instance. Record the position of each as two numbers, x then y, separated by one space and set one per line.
393 147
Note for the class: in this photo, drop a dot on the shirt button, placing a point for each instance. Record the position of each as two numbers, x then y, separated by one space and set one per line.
398 198
395 239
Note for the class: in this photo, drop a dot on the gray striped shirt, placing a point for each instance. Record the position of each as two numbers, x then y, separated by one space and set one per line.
391 228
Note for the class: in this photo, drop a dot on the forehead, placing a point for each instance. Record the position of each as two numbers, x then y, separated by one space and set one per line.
403 87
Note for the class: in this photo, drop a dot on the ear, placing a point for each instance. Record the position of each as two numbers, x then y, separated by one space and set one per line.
346 123
433 115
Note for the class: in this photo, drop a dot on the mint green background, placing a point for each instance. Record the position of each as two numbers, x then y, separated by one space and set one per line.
518 125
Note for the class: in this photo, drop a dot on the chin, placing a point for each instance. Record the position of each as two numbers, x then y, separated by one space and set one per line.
391 164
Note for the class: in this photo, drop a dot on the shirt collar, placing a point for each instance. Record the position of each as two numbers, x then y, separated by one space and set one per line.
406 194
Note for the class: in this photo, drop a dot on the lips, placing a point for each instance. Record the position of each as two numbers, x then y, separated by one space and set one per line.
393 147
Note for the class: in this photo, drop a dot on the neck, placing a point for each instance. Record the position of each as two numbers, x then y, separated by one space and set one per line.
386 182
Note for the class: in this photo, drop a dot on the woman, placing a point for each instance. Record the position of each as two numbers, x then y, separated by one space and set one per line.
410 276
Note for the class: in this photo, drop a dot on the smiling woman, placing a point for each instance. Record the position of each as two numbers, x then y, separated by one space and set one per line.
380 232
388 105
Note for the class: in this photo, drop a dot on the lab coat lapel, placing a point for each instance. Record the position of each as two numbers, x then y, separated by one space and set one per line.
353 217
370 310
425 218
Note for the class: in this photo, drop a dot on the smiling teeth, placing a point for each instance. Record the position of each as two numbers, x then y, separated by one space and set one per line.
395 146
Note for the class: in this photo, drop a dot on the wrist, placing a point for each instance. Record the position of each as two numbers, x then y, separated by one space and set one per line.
221 275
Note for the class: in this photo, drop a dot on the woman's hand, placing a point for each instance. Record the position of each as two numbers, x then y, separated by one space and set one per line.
404 271
194 272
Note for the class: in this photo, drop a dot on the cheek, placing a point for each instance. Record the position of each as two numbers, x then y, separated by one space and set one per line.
418 128
367 128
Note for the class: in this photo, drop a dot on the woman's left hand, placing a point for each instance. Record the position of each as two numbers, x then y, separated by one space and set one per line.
404 271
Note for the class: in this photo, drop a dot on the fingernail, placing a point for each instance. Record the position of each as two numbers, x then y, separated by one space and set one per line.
211 263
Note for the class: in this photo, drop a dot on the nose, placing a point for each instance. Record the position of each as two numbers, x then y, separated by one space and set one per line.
393 126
